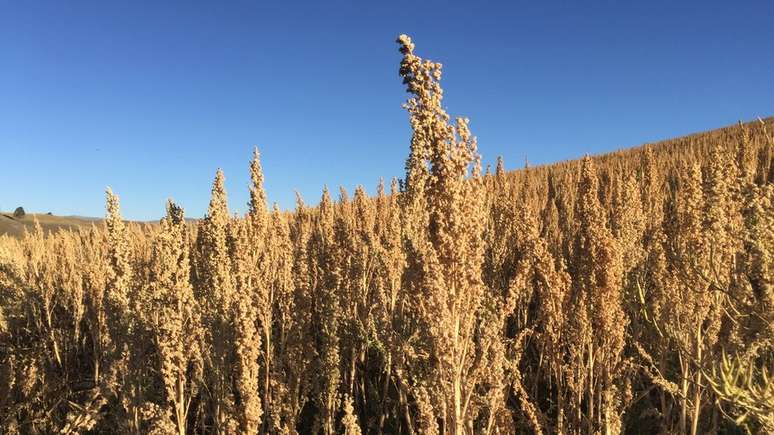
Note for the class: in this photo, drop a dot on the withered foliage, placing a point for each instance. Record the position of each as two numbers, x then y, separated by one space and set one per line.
626 293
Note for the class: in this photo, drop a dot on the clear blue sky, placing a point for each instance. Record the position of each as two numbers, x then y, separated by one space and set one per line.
151 97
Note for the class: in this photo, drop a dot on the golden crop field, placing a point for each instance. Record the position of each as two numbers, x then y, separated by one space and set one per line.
626 293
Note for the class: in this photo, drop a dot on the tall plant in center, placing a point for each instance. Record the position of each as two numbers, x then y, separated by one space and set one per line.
443 171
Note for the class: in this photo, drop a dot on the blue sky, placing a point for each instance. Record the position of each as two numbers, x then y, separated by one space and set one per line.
151 97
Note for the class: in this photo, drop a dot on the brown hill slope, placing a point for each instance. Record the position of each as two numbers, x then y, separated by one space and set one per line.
670 152
13 226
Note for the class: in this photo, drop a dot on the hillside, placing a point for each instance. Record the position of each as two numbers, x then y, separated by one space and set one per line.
10 225
672 151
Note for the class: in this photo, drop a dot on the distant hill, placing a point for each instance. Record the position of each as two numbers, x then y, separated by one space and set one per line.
15 226
679 148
